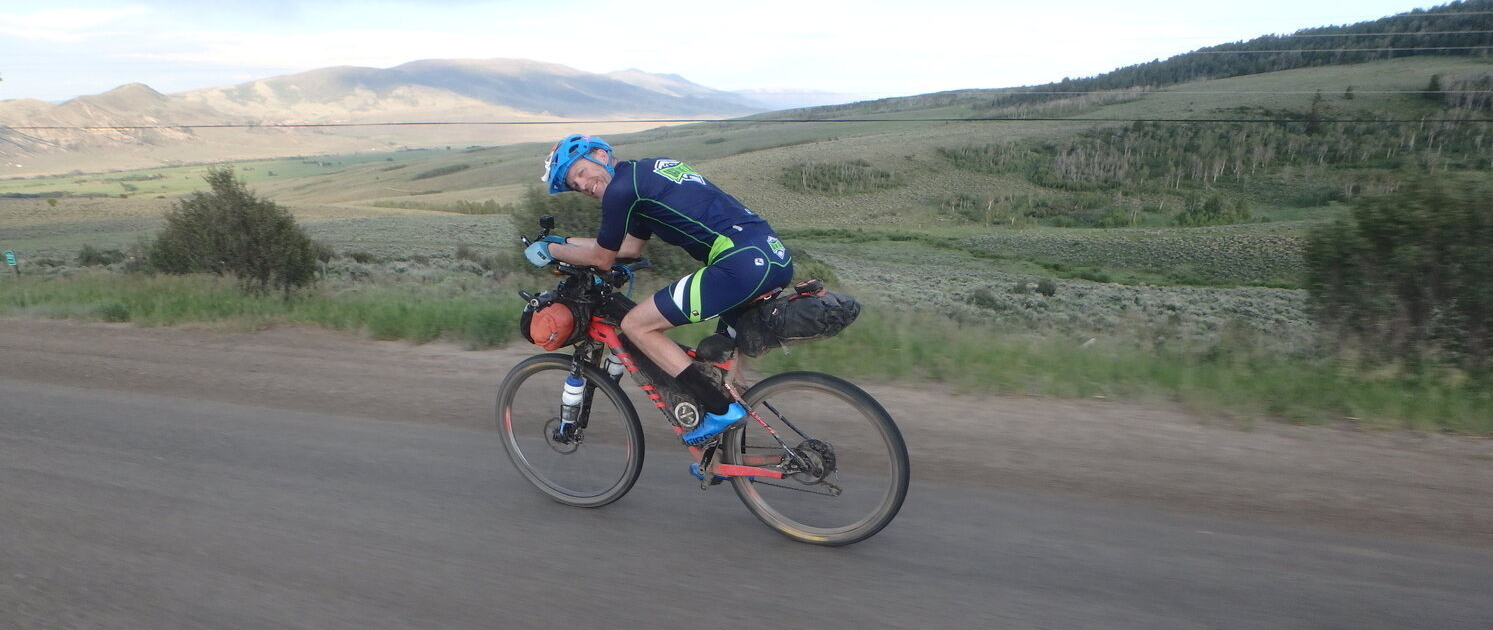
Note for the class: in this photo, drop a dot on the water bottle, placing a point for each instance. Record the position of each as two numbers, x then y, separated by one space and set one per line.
571 399
614 367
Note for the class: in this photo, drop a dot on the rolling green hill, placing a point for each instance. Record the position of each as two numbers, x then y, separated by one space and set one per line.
1066 173
1145 226
1030 180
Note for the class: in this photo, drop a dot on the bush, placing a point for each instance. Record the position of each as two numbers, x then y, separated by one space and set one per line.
839 178
984 298
442 170
1407 273
806 267
487 262
1047 287
91 256
1214 211
230 231
112 311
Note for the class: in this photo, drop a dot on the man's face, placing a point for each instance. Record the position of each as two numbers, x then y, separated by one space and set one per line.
589 178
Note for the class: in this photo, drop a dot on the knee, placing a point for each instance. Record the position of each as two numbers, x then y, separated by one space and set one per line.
633 326
639 322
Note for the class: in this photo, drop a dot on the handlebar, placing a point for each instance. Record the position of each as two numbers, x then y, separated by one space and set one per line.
615 278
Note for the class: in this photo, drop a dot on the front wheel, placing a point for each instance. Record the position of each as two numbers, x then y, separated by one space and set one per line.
589 464
846 465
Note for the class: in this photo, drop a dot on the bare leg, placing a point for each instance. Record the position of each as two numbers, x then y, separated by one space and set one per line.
645 327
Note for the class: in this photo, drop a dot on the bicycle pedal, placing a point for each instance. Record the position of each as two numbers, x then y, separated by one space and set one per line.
714 480
698 468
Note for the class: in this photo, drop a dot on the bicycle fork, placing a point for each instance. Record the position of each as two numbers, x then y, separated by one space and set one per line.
575 406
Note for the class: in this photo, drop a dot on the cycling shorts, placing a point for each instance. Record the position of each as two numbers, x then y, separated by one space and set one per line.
739 268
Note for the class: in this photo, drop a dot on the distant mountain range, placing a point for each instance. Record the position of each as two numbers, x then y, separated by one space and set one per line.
456 91
436 90
509 85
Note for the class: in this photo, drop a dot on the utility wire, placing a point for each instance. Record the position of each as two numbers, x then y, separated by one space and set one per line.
742 121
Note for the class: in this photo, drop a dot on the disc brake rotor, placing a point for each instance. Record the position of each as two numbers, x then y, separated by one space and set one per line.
563 444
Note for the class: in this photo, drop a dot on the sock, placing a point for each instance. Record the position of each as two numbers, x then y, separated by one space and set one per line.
696 384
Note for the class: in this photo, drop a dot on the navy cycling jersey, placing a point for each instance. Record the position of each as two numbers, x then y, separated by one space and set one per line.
668 198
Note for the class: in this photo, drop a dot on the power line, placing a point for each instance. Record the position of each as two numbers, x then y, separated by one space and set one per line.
739 121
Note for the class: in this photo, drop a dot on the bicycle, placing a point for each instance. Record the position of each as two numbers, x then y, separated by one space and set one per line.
836 473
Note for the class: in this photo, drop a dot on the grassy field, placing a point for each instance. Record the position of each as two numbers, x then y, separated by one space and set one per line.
960 288
416 311
1232 374
177 180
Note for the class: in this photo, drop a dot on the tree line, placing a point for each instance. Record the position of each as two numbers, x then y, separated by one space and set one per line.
1162 157
1451 29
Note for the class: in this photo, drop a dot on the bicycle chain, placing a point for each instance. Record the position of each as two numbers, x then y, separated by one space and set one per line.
765 483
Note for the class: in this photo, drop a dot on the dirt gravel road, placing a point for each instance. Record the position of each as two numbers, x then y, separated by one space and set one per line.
1392 484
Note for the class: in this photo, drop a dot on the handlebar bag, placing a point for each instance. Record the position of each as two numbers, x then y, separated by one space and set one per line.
554 325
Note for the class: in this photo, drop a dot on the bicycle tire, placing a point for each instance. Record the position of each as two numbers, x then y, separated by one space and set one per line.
611 451
864 444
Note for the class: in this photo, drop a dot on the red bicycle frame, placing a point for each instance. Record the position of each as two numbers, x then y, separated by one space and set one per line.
606 334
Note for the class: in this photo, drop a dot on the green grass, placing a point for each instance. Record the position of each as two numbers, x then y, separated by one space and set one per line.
1221 256
1230 376
379 312
178 180
917 347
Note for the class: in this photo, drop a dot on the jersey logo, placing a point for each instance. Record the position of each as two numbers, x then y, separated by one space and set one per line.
777 247
677 172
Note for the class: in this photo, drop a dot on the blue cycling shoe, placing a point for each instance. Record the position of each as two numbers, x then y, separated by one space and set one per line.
712 424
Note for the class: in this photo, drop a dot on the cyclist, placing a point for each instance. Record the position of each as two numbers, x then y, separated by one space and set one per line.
658 196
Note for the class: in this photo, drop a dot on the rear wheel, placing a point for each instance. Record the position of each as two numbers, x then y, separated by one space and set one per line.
589 467
846 461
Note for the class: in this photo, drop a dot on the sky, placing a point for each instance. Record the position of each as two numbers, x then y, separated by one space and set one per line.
55 50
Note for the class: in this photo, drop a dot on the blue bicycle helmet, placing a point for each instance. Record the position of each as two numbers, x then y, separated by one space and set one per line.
565 152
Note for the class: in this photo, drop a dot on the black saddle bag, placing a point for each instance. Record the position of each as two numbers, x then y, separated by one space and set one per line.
808 313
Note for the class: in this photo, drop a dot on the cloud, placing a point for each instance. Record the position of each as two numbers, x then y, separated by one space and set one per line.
64 25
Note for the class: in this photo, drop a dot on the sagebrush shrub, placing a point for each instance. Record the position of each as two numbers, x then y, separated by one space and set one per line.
230 231
91 256
1407 274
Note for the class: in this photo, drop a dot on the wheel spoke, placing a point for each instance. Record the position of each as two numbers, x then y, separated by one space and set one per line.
595 465
849 480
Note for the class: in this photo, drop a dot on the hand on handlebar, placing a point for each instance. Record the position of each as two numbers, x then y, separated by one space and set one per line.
620 275
538 252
